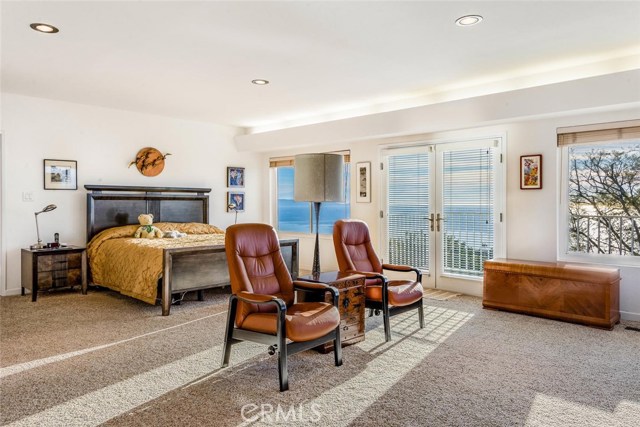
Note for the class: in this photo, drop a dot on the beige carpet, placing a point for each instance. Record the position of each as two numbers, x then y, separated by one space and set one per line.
74 360
439 295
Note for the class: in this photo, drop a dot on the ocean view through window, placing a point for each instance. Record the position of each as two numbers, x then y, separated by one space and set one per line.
297 216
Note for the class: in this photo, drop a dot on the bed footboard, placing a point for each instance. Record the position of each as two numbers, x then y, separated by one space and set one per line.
198 268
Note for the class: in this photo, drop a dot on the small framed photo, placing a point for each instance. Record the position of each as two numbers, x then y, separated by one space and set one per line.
60 174
235 201
363 177
531 172
235 177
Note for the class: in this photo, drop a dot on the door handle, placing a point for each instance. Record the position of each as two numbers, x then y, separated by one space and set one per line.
438 218
431 225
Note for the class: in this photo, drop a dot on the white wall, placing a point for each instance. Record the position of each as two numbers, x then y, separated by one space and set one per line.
531 216
104 141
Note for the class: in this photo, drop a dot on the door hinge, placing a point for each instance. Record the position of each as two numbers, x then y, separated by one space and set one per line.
500 216
381 214
381 166
500 157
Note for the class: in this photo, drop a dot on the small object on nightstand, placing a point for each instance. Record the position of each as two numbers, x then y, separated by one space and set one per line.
52 268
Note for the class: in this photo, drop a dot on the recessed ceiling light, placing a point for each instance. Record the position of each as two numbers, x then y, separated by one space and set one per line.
468 20
260 82
44 28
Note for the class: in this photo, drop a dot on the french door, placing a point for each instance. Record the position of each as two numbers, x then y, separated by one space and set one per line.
442 210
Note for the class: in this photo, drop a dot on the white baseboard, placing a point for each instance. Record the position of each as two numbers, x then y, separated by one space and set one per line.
10 292
627 315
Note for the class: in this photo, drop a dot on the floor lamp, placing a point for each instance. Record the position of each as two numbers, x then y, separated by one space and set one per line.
318 178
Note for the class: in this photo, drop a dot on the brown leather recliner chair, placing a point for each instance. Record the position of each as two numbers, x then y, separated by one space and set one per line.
261 307
356 255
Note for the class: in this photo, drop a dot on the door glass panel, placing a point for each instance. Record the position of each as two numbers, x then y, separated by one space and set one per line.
408 209
467 210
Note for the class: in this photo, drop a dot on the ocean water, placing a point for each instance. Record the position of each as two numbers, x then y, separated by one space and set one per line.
463 222
296 216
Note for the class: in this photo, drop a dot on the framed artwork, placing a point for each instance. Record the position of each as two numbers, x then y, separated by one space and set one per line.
531 172
235 177
60 174
363 176
236 199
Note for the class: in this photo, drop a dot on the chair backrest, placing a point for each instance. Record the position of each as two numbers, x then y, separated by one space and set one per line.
256 265
354 250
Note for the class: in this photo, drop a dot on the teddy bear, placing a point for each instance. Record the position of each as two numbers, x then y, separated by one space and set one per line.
147 229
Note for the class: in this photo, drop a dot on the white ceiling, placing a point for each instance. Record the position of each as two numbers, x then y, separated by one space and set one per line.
195 60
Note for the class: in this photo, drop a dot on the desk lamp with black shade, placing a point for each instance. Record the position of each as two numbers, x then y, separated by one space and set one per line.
318 177
39 245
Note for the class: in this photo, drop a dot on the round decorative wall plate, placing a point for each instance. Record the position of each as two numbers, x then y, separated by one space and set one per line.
149 161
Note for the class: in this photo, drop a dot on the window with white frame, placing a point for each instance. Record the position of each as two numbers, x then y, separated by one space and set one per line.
292 216
600 211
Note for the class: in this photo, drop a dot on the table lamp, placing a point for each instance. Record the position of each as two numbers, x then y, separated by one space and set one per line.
233 207
318 177
39 245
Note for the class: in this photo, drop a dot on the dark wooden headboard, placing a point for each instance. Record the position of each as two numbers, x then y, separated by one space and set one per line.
112 206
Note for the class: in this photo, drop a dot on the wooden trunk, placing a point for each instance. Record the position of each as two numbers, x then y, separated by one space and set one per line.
350 305
556 290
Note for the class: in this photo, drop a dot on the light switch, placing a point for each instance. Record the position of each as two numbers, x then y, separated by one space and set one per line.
27 196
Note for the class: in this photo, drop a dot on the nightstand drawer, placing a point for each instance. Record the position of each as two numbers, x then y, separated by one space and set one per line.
59 262
60 278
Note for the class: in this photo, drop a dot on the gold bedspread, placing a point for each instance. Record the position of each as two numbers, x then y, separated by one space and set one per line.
133 266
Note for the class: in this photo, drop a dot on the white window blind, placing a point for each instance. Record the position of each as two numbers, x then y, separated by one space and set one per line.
615 131
467 208
408 208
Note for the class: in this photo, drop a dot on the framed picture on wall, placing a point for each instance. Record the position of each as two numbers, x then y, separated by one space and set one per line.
235 201
60 174
531 172
235 177
363 177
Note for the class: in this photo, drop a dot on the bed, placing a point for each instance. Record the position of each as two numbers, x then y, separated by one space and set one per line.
176 266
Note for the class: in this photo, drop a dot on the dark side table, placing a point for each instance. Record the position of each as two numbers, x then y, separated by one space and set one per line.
350 302
45 269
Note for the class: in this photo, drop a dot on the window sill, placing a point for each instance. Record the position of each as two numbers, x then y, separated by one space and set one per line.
606 260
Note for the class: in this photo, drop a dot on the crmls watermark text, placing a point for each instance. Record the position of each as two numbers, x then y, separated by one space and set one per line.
268 413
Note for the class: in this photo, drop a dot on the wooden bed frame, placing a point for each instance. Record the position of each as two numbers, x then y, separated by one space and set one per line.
184 269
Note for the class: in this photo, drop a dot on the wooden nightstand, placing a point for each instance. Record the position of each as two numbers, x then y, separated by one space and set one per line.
44 269
350 302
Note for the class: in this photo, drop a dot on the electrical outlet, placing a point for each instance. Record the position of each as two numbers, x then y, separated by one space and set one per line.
27 196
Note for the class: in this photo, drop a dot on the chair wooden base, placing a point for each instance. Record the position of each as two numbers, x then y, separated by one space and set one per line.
390 311
277 343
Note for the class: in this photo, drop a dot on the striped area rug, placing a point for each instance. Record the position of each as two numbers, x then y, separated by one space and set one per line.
439 295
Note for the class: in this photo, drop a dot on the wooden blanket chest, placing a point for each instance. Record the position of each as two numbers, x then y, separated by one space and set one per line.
556 290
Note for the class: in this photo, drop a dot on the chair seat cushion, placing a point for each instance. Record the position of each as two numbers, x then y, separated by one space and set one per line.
401 292
304 321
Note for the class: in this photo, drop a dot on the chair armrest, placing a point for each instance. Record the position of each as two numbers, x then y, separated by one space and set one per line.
369 275
317 288
406 268
261 299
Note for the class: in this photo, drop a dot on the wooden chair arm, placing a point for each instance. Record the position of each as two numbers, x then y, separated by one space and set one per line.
369 275
251 298
318 288
405 268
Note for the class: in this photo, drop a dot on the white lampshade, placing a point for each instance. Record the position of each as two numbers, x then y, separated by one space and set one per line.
318 177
